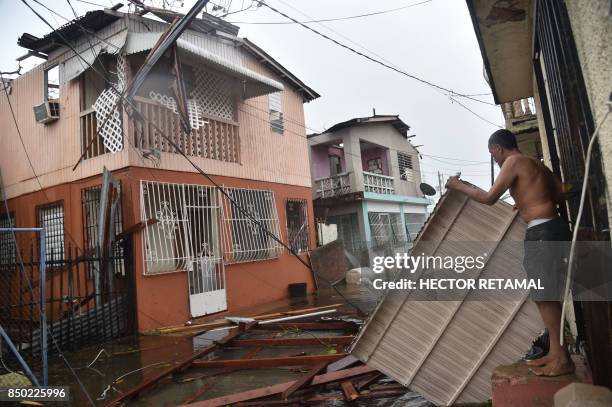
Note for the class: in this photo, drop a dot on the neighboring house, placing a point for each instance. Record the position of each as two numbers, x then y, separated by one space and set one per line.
193 252
365 181
559 53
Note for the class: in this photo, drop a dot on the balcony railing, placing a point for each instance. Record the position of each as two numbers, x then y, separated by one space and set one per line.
90 139
381 184
333 186
218 139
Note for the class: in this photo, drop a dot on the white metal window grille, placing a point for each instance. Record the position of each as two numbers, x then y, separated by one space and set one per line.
182 232
7 241
297 224
405 166
51 219
90 202
213 94
275 101
386 228
245 239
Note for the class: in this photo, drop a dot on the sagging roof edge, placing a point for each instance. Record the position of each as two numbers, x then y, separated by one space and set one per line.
91 20
483 53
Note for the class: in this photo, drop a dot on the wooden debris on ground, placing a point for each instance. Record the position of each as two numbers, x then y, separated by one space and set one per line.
343 376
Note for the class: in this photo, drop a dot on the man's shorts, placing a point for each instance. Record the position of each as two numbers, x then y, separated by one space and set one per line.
546 252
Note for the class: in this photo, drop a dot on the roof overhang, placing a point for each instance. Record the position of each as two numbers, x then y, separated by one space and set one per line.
255 84
504 32
393 120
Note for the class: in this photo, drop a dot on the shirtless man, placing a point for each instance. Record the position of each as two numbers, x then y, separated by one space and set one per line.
536 192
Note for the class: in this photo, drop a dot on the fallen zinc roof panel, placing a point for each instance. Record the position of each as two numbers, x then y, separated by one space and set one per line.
447 350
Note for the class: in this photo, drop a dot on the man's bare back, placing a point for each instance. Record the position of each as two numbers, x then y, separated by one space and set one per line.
535 188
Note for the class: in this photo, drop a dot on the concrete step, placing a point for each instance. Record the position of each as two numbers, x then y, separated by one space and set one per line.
515 386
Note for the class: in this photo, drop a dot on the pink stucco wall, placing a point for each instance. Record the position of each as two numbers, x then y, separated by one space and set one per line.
320 160
372 153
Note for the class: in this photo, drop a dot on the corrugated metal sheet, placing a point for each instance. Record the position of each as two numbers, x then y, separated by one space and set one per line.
447 350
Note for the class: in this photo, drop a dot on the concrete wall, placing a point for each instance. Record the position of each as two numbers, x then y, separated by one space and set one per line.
386 135
382 134
319 158
373 153
163 299
591 22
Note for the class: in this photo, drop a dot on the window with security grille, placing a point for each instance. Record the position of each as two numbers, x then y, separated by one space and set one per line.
51 219
90 201
7 240
185 228
414 222
386 228
246 222
297 224
275 101
405 166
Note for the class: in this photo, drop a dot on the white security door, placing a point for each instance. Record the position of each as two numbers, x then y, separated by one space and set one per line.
206 274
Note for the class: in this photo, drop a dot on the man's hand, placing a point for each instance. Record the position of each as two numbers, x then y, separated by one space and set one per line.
453 182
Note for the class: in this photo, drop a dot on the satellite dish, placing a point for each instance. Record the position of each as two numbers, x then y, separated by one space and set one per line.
427 189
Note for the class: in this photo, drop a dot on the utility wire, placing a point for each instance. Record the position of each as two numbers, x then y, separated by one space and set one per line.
379 62
325 20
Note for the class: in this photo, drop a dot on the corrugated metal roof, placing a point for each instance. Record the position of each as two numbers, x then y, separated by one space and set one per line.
447 350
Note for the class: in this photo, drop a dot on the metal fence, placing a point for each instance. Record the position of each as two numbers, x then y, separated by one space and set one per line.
61 296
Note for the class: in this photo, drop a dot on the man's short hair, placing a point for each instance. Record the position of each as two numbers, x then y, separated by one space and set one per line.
504 138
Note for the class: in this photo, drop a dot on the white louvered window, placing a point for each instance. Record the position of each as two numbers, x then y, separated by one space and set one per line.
7 241
405 166
51 219
275 101
186 225
246 240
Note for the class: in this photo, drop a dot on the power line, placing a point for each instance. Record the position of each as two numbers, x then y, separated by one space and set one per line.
325 20
386 65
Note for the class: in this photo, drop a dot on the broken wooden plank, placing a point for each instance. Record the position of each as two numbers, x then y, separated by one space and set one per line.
343 363
221 324
349 391
218 376
310 326
267 362
304 380
368 381
135 228
181 364
281 387
321 340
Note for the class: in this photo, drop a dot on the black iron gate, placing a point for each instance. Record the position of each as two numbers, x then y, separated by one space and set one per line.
569 125
77 316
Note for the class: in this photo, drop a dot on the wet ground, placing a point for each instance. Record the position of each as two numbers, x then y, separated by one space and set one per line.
109 369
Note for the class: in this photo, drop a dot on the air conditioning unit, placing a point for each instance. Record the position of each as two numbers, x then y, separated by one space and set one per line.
47 112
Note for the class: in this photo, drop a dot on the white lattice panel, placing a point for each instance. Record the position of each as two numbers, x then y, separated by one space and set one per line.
213 93
121 68
195 112
108 116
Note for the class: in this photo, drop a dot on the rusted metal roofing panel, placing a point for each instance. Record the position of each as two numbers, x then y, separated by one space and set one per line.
447 350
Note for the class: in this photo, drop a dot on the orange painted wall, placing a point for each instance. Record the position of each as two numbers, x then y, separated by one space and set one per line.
163 299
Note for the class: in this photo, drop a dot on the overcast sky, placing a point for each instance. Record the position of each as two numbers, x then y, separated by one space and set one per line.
434 41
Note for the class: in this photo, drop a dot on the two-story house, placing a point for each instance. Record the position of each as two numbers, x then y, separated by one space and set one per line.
365 179
194 251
